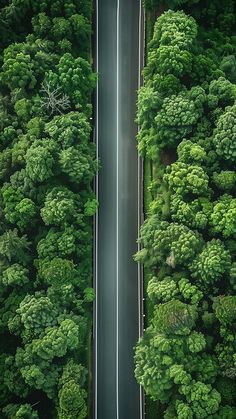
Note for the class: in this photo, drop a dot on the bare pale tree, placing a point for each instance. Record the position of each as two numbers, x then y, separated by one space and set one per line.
53 99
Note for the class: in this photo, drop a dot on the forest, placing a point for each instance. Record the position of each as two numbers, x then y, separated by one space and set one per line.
47 165
186 360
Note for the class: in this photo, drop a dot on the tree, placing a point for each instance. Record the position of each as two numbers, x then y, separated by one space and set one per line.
186 111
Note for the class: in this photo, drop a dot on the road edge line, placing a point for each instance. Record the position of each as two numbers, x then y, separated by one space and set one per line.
140 194
117 209
96 232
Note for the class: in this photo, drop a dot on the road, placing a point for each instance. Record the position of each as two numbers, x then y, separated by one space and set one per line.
118 308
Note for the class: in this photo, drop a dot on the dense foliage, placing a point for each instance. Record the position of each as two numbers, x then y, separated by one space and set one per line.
47 163
186 359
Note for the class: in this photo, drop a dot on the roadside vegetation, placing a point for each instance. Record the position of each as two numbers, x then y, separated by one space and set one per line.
47 165
186 360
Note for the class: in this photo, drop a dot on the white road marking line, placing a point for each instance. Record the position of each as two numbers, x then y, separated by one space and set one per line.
117 209
96 221
140 167
139 197
139 202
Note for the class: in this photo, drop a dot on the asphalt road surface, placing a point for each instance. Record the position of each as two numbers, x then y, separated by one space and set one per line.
118 312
